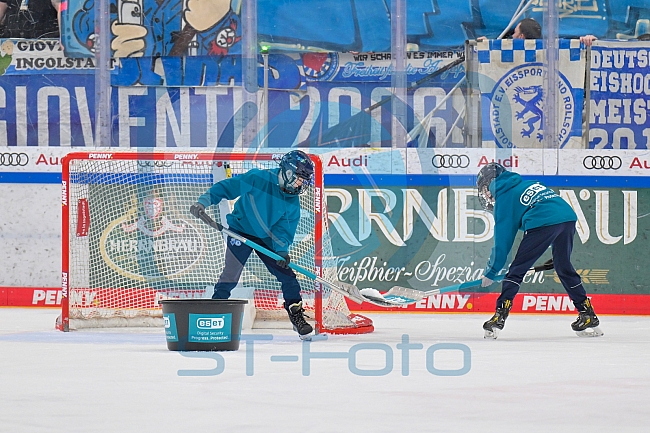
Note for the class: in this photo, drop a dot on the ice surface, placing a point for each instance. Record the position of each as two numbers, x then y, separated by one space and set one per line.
537 377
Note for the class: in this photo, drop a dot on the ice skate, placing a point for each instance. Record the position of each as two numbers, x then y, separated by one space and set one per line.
300 325
586 325
496 323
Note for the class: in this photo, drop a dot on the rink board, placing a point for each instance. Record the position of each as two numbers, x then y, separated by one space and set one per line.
527 303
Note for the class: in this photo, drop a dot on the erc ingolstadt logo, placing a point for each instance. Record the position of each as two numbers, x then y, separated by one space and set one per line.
517 108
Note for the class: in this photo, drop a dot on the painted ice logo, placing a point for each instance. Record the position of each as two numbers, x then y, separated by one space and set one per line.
517 107
149 244
210 323
529 194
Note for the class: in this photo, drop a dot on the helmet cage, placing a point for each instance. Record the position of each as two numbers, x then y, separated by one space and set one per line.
485 177
486 199
296 172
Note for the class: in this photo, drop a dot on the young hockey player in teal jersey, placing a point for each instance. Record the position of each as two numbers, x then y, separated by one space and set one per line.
546 220
267 213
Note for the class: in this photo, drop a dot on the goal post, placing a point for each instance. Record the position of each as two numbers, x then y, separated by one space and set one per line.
129 241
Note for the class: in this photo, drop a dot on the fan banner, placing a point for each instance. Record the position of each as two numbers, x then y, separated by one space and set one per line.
42 109
511 75
619 98
214 27
40 57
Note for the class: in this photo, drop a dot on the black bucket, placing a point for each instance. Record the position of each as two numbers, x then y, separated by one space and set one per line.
203 325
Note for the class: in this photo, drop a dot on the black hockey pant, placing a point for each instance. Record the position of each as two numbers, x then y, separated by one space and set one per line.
533 245
237 253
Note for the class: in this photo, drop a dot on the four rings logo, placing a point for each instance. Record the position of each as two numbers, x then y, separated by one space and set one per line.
13 159
450 161
602 162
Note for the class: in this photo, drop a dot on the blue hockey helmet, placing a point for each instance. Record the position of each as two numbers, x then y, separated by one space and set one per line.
296 172
485 177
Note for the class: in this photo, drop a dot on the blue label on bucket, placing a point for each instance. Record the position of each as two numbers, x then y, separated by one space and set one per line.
210 328
171 334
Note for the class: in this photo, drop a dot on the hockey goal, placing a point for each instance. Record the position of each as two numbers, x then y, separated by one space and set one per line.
129 242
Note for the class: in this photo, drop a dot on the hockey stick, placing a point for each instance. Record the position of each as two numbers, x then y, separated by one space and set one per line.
345 289
399 296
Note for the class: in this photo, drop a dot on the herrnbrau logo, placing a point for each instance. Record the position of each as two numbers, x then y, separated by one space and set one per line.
517 108
150 245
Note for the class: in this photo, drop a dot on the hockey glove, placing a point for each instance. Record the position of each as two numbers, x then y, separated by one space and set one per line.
284 263
198 210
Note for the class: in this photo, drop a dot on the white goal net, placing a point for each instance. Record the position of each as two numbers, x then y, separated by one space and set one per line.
129 241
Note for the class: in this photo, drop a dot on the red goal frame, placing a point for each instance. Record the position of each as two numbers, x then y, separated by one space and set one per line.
362 323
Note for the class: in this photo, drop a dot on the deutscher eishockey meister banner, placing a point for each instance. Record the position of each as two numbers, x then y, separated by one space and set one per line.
619 99
511 80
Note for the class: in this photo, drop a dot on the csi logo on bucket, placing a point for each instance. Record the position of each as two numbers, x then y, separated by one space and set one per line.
210 323
171 333
517 107
209 328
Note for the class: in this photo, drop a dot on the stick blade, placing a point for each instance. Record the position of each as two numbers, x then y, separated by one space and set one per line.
374 297
406 293
348 290
396 297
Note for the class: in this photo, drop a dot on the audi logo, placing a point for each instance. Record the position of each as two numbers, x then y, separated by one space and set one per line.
13 159
450 161
602 162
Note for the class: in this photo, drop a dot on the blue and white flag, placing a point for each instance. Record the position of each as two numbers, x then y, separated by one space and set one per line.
511 80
